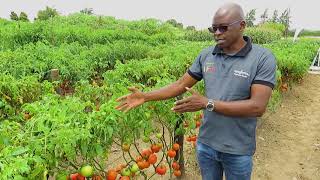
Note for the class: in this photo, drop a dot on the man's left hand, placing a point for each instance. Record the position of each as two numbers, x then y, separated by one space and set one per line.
193 103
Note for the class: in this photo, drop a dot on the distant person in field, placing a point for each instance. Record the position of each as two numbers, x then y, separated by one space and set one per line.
239 77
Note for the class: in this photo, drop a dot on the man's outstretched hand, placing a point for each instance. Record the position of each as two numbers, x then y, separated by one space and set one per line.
193 103
130 101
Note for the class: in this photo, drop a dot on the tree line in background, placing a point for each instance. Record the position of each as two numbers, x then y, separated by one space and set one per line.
284 18
250 17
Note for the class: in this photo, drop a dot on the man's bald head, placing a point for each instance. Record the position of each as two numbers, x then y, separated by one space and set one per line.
230 12
228 26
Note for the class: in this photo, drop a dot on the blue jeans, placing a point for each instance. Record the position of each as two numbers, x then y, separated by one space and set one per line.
213 163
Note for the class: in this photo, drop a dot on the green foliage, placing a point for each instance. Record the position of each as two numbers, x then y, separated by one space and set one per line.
263 35
23 17
310 33
191 28
294 59
88 11
47 13
203 35
14 16
250 17
275 26
174 23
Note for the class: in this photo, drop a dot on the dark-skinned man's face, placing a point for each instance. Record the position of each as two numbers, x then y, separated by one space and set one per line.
227 38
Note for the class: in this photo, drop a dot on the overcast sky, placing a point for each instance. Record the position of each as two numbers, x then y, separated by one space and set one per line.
305 13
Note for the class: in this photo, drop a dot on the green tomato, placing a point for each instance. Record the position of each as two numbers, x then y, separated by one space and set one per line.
159 135
125 172
86 171
134 168
145 139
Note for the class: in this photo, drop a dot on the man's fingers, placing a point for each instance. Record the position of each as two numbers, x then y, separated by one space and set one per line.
121 98
180 108
121 104
185 100
127 109
122 107
133 89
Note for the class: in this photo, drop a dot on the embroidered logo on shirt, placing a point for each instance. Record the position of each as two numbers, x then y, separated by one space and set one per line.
241 73
209 68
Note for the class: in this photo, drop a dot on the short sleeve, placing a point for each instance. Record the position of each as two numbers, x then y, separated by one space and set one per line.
266 71
195 70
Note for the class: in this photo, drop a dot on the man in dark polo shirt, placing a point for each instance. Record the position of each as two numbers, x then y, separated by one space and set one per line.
239 77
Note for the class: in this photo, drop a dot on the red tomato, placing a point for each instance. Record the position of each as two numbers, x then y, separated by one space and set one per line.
161 170
146 164
177 173
155 148
146 153
176 146
152 159
138 159
193 138
96 177
124 178
77 176
140 165
198 123
74 176
172 153
80 177
112 175
175 166
189 139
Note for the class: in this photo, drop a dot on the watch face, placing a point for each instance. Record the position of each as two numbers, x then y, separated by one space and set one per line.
210 107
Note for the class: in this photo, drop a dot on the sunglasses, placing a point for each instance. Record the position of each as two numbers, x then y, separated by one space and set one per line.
223 28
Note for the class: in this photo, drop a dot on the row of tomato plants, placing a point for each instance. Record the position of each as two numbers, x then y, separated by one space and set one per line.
48 124
79 28
74 61
91 30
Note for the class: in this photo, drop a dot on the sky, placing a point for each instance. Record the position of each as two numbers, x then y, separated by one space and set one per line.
305 13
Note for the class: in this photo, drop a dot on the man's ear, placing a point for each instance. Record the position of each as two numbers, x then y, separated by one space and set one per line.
242 26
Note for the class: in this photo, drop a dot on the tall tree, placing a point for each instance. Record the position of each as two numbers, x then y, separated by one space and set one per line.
175 23
191 28
264 16
275 18
14 16
23 17
250 17
47 13
285 20
88 11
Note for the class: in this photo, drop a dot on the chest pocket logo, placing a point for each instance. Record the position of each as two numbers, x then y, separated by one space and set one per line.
209 68
241 73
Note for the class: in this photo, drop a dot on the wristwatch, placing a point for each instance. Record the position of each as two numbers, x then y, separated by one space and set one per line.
210 105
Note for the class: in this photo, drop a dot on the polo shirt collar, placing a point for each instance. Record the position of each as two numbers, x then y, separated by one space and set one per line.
242 53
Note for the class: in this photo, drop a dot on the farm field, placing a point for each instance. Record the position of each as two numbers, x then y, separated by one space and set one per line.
59 79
